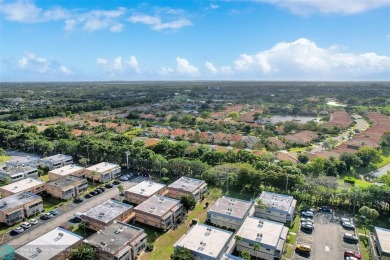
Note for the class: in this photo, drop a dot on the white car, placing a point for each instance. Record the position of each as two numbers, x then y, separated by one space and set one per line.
348 225
18 230
344 220
124 178
25 225
307 220
33 221
307 214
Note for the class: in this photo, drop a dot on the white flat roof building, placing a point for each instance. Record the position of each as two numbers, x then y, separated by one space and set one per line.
55 244
57 161
29 184
18 173
144 190
270 235
22 161
102 167
205 242
70 169
186 185
279 207
383 242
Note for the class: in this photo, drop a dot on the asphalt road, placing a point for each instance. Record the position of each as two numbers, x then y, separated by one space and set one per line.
67 213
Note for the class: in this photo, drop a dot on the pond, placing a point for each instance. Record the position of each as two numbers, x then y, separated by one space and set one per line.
299 119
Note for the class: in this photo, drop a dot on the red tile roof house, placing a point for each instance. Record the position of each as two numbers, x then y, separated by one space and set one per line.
178 133
250 141
147 117
234 138
220 138
191 134
302 138
281 156
217 115
276 142
206 137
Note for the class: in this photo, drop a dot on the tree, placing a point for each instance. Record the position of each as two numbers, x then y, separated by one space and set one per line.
182 253
303 158
260 204
368 215
369 156
2 153
84 225
93 174
121 189
84 161
256 246
385 140
188 202
350 160
82 252
245 255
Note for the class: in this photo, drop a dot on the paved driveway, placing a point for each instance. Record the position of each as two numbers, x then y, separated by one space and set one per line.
326 240
67 213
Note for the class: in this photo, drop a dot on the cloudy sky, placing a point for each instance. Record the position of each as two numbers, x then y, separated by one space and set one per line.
194 40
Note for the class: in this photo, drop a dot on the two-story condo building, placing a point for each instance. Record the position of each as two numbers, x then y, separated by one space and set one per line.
67 187
53 245
205 242
118 241
23 161
103 172
56 161
187 186
18 173
270 237
17 207
159 212
28 185
67 170
380 244
277 207
143 191
110 211
228 213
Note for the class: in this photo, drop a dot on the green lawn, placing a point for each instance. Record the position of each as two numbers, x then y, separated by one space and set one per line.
294 228
4 158
163 246
289 252
44 178
385 159
298 149
362 184
51 203
364 247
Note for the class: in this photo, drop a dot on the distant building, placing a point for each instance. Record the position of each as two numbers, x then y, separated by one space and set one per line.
143 191
205 242
159 212
103 172
107 213
67 170
380 244
17 207
269 235
187 186
19 173
54 245
56 161
67 187
228 212
22 161
28 185
277 207
118 241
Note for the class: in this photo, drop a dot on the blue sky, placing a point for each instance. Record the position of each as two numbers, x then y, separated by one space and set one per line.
49 40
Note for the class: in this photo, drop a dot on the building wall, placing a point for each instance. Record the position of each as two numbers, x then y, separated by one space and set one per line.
138 199
104 176
178 193
224 221
67 192
156 221
96 225
263 253
271 214
55 164
21 212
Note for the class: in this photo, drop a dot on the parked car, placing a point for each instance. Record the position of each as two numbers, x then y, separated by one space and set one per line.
144 174
307 220
307 224
307 228
25 225
326 209
94 193
348 225
344 220
46 216
351 258
124 178
349 253
102 189
109 185
54 212
18 230
128 176
78 200
307 214
88 196
116 182
97 191
352 238
33 221
77 216
303 248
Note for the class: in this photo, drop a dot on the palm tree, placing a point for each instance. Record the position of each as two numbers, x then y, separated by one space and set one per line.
84 225
256 247
121 190
237 238
93 174
260 204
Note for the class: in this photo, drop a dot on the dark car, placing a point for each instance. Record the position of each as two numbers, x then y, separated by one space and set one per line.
78 200
109 185
326 209
98 191
93 193
116 182
102 189
88 196
54 212
307 228
46 216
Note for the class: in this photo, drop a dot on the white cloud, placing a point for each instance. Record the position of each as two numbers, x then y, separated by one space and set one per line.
184 67
163 18
221 70
32 63
119 65
304 57
21 11
166 71
347 7
214 6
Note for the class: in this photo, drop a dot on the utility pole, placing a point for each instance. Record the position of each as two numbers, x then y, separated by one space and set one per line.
354 205
127 158
286 182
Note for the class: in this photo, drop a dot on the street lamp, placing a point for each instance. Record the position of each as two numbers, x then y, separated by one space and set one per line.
286 182
127 159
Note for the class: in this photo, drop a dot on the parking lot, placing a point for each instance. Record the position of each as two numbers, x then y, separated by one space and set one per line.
326 241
